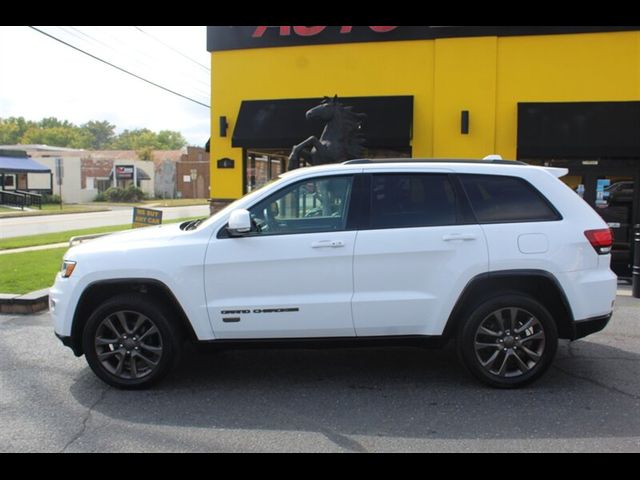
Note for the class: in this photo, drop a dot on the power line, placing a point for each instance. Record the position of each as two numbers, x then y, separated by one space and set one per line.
199 90
140 57
171 48
119 68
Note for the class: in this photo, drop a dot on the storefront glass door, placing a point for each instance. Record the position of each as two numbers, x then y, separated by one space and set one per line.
610 187
262 167
612 196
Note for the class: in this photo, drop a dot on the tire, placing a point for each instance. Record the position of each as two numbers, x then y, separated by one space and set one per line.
508 341
130 343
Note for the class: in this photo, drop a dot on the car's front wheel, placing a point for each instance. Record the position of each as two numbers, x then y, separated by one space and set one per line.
130 343
508 341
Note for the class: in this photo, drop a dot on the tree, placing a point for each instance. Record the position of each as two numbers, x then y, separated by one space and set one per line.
145 153
102 133
53 122
96 135
135 140
144 138
169 140
13 128
9 133
57 136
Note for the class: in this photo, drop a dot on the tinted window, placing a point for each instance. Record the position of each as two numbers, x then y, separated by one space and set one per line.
412 200
316 205
497 199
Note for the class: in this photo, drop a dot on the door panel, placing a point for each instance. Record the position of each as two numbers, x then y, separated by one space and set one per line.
292 276
307 288
414 259
407 280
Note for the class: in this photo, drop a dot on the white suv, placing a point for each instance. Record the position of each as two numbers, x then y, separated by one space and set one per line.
500 256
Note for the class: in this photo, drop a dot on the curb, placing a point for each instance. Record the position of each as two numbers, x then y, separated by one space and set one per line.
25 304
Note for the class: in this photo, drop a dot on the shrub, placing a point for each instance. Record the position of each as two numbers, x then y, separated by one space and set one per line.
114 194
117 194
47 198
133 194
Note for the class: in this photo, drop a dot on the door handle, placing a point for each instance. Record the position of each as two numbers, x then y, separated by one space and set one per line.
465 237
328 244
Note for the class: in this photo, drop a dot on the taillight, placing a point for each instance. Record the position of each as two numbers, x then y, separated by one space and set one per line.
601 240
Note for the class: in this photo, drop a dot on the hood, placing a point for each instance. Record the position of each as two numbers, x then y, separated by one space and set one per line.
130 239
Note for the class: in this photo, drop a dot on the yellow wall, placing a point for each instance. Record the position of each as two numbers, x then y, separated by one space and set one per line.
486 75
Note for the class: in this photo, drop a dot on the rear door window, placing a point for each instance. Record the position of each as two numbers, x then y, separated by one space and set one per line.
412 200
504 199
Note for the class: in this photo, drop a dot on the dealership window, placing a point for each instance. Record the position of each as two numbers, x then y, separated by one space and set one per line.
262 166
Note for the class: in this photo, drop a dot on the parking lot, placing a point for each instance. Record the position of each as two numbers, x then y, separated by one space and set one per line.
346 400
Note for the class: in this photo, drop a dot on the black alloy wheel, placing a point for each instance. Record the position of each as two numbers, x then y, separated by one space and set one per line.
508 341
130 343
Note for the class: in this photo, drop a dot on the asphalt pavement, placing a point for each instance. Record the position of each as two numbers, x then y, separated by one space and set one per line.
19 226
345 400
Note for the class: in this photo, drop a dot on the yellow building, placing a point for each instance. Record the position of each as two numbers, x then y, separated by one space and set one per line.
557 95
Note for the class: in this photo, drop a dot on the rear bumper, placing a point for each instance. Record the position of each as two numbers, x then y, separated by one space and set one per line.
586 327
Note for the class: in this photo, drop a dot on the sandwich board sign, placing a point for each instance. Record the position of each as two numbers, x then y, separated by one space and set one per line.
143 217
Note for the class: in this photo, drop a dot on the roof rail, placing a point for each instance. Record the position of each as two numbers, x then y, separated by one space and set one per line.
431 160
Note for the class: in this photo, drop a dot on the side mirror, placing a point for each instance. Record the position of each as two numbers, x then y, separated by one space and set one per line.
239 223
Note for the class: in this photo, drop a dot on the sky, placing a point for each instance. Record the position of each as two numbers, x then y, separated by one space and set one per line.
40 77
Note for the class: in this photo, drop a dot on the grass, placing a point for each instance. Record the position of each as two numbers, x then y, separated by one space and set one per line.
59 237
56 237
29 271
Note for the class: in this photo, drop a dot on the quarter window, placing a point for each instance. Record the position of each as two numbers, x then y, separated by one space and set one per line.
315 205
502 199
412 200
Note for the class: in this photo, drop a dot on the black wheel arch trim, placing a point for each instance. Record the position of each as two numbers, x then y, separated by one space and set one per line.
140 285
566 329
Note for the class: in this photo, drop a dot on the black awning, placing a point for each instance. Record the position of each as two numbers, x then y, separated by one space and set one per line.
579 130
282 123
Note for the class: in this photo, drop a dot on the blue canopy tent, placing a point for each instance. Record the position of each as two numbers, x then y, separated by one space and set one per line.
14 181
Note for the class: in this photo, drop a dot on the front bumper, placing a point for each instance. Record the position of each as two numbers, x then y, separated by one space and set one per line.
68 342
586 327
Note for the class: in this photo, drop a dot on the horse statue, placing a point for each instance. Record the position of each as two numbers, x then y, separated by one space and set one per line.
341 139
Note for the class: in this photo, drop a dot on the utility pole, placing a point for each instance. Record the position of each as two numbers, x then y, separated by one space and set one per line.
59 175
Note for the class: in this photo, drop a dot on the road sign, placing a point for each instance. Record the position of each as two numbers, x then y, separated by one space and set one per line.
59 171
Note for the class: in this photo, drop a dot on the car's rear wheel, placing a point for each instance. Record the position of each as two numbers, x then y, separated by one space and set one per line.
130 343
508 341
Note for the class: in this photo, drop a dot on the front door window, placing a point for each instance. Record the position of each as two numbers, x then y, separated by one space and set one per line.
316 205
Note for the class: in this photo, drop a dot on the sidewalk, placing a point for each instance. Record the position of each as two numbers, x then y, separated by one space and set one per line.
31 249
22 226
624 290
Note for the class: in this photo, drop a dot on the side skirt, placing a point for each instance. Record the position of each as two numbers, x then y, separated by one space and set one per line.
416 341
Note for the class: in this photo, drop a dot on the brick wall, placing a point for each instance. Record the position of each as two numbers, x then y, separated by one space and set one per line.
191 189
94 168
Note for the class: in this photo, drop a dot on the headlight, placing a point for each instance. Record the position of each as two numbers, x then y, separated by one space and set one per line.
67 268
